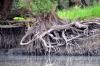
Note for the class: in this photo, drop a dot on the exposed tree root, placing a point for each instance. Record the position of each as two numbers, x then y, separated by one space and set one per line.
51 37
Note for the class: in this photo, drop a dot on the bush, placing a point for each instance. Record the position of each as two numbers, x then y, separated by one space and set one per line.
41 6
38 7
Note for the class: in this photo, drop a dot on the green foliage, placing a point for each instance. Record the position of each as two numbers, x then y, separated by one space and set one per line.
15 4
76 13
38 7
41 6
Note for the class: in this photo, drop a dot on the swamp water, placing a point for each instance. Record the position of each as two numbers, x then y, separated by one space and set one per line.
6 60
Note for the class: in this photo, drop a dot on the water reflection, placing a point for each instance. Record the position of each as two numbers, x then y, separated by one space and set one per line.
49 61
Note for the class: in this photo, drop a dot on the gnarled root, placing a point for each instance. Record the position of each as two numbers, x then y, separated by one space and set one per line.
56 36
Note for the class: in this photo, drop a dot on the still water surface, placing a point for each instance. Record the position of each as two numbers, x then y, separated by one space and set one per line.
6 60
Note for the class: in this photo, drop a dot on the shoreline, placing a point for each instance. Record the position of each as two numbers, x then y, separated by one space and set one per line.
87 44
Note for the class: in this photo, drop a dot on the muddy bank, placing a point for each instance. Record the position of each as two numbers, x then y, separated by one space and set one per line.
79 38
10 37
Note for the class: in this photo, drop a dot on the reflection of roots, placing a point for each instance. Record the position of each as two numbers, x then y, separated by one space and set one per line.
1 39
57 36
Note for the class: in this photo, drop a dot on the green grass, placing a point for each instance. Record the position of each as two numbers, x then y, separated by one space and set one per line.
77 13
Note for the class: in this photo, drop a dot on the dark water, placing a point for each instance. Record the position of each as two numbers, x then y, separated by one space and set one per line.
49 61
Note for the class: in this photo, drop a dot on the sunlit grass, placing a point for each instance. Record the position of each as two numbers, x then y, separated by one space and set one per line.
76 13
